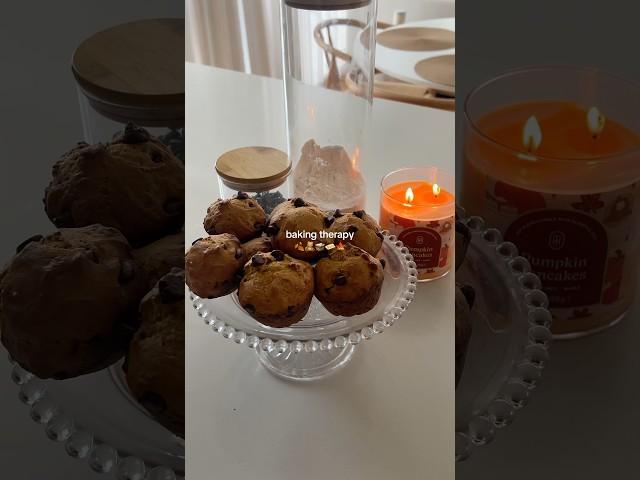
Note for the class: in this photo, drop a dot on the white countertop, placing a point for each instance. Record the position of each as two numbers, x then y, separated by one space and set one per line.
390 412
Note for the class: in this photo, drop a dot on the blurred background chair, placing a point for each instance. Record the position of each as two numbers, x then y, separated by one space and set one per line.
244 35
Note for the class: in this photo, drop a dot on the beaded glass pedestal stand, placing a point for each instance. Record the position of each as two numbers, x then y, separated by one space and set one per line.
85 415
510 338
320 343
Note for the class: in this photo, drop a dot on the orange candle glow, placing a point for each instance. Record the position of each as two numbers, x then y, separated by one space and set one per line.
420 212
559 179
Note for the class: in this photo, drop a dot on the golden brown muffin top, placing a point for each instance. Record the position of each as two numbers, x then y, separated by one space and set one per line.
256 245
274 281
347 274
296 216
133 183
212 263
366 231
240 216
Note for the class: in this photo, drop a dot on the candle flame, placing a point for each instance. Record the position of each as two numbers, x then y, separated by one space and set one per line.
355 158
340 245
408 196
595 121
436 189
311 111
531 134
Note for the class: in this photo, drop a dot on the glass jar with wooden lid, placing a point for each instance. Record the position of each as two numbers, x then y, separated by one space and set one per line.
133 72
262 172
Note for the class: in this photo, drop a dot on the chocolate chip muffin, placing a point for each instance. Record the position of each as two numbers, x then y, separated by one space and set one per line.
158 258
133 183
366 231
213 265
282 208
240 216
260 244
349 281
295 216
68 301
464 301
276 289
155 360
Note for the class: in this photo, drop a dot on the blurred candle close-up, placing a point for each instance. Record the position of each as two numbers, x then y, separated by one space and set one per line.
547 166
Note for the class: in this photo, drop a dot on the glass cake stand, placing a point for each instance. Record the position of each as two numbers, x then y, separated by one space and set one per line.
97 420
510 339
321 343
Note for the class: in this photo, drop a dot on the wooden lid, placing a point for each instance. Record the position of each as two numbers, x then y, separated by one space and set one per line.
137 65
253 166
327 4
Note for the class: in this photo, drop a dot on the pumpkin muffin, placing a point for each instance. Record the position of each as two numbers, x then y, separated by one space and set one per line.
158 258
366 231
240 216
349 281
155 361
68 301
257 245
295 216
213 265
133 183
276 289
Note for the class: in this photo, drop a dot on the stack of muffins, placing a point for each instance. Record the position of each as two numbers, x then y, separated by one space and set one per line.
108 283
276 274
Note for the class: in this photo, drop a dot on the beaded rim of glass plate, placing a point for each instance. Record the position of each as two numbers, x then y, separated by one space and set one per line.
79 443
278 345
528 367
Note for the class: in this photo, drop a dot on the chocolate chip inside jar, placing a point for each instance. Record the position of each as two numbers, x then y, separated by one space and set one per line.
269 200
134 134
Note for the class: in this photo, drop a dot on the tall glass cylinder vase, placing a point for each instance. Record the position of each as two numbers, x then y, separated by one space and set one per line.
328 68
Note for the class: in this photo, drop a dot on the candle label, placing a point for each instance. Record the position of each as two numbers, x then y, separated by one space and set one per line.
428 241
567 250
424 244
579 246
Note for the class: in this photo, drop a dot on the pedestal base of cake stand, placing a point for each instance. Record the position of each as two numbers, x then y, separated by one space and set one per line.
305 365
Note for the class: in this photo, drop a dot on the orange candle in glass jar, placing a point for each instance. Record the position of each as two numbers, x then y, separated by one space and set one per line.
421 213
558 179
